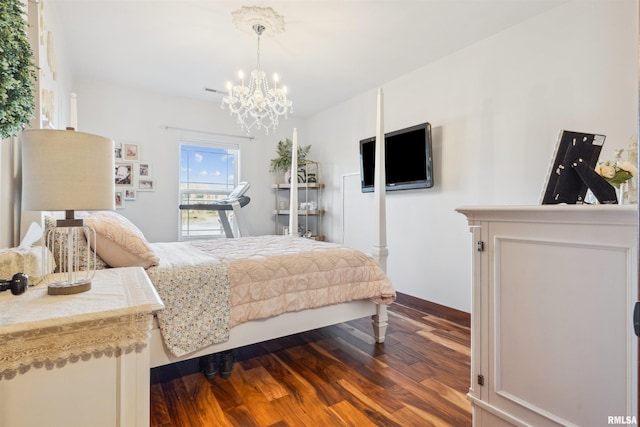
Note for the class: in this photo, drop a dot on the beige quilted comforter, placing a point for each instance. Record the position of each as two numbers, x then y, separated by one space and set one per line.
265 275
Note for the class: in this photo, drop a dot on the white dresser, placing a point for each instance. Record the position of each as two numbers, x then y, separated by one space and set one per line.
78 360
552 331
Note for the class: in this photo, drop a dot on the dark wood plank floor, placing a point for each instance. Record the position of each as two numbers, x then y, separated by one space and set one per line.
334 376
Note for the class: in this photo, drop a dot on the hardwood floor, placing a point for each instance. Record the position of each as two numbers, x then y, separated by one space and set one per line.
334 376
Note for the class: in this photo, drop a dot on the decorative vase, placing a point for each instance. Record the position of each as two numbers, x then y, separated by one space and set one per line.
622 193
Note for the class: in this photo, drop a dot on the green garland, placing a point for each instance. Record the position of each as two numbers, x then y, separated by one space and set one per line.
17 70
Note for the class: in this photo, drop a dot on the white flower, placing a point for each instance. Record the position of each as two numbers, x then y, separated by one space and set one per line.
598 169
606 170
629 167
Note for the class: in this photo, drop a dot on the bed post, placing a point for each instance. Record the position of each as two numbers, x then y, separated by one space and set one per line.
293 191
380 251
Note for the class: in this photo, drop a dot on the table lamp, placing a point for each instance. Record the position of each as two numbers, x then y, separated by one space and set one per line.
65 170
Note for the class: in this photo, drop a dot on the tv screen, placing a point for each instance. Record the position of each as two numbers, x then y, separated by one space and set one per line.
408 160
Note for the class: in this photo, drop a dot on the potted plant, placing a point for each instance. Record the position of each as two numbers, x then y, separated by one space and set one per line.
282 163
17 70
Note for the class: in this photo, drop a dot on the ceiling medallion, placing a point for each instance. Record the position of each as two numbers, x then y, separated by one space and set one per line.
248 16
257 104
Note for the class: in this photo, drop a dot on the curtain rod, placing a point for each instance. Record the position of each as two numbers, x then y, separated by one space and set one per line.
165 127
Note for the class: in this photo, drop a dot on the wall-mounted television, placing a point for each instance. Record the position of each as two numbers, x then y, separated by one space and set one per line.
408 159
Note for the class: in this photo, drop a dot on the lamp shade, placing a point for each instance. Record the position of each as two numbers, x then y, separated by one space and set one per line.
65 170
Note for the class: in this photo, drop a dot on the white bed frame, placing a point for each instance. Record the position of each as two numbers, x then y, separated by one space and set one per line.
256 331
295 322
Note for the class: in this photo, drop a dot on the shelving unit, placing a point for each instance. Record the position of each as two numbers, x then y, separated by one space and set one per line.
310 211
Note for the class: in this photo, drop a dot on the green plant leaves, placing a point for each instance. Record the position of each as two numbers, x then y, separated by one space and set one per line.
283 161
17 70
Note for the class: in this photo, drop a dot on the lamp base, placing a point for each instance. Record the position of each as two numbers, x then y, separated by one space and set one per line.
75 267
68 288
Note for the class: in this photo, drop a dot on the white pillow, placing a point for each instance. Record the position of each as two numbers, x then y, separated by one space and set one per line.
119 242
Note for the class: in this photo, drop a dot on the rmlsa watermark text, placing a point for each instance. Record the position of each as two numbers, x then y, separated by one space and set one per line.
622 420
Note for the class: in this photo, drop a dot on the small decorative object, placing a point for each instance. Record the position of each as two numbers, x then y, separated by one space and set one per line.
17 70
302 174
618 173
311 178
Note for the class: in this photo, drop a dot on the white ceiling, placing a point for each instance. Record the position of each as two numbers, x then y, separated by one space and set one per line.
330 50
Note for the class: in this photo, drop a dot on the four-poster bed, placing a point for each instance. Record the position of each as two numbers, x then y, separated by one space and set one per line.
290 321
223 294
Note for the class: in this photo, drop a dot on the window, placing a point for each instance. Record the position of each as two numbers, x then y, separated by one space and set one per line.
207 172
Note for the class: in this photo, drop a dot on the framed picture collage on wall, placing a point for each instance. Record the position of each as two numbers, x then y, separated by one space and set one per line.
131 175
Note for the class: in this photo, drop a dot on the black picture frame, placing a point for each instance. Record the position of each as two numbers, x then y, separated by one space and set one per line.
570 176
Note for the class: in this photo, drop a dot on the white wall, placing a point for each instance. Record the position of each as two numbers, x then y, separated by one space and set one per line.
136 116
496 109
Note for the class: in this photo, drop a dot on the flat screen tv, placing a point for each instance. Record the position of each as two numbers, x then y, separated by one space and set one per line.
572 173
408 159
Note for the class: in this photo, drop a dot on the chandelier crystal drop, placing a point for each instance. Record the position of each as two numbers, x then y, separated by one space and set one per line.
257 105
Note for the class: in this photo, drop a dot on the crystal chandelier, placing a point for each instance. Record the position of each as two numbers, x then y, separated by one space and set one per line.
257 104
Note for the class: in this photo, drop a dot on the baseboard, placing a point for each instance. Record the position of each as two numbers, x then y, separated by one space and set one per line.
461 318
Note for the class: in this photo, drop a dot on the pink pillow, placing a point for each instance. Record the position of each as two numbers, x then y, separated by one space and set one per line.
119 242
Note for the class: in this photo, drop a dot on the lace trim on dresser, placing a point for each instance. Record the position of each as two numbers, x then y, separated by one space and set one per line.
55 346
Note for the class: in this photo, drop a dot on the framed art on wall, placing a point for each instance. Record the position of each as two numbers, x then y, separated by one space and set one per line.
124 174
117 151
144 170
146 184
119 198
131 152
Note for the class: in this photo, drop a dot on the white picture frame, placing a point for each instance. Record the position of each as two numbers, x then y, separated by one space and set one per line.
129 194
144 169
146 184
123 174
117 151
131 152
119 199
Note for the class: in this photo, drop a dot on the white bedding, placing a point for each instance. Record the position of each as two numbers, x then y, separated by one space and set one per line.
254 278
